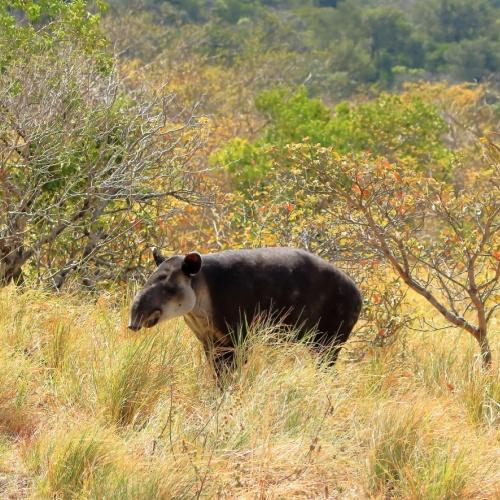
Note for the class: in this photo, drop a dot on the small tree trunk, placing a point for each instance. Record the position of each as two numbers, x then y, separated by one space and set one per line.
8 275
482 329
482 339
11 269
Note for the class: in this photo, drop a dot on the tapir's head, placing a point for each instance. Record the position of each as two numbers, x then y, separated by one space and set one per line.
167 293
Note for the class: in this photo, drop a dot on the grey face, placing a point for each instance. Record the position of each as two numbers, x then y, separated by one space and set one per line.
167 293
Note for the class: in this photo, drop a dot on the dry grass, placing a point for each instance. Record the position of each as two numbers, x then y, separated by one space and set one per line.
89 410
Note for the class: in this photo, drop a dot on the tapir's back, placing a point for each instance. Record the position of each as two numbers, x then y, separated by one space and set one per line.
306 289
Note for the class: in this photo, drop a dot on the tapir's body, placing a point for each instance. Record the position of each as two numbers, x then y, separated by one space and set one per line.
223 291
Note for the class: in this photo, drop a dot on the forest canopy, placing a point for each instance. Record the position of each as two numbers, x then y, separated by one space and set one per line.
348 43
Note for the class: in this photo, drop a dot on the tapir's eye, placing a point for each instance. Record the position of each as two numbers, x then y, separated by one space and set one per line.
161 277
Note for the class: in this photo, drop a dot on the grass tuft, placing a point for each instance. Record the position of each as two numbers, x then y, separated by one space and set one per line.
395 438
479 393
439 473
69 462
132 379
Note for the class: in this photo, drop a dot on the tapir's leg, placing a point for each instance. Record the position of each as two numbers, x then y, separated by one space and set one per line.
330 344
223 362
328 352
332 354
221 359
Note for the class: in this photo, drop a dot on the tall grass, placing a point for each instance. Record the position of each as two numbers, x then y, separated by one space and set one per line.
132 379
90 410
18 399
90 461
394 443
69 462
438 473
406 460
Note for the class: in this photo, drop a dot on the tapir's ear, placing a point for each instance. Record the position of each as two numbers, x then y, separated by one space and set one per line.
157 256
191 264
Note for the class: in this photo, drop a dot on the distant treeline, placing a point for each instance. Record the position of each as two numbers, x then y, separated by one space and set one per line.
347 43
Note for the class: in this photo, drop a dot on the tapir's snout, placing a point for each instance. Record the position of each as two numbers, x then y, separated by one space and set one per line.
167 293
145 311
136 320
134 327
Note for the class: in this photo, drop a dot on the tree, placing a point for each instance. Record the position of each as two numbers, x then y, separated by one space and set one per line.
455 20
78 156
473 59
231 11
392 41
85 162
30 27
443 243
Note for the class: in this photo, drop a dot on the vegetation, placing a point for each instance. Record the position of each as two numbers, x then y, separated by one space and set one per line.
365 131
349 43
89 409
80 154
377 184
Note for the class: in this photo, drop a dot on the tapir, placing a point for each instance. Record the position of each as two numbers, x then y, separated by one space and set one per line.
219 293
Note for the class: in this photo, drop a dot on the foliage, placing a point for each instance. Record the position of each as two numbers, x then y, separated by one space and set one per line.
78 164
34 27
327 141
299 184
84 161
405 126
349 43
